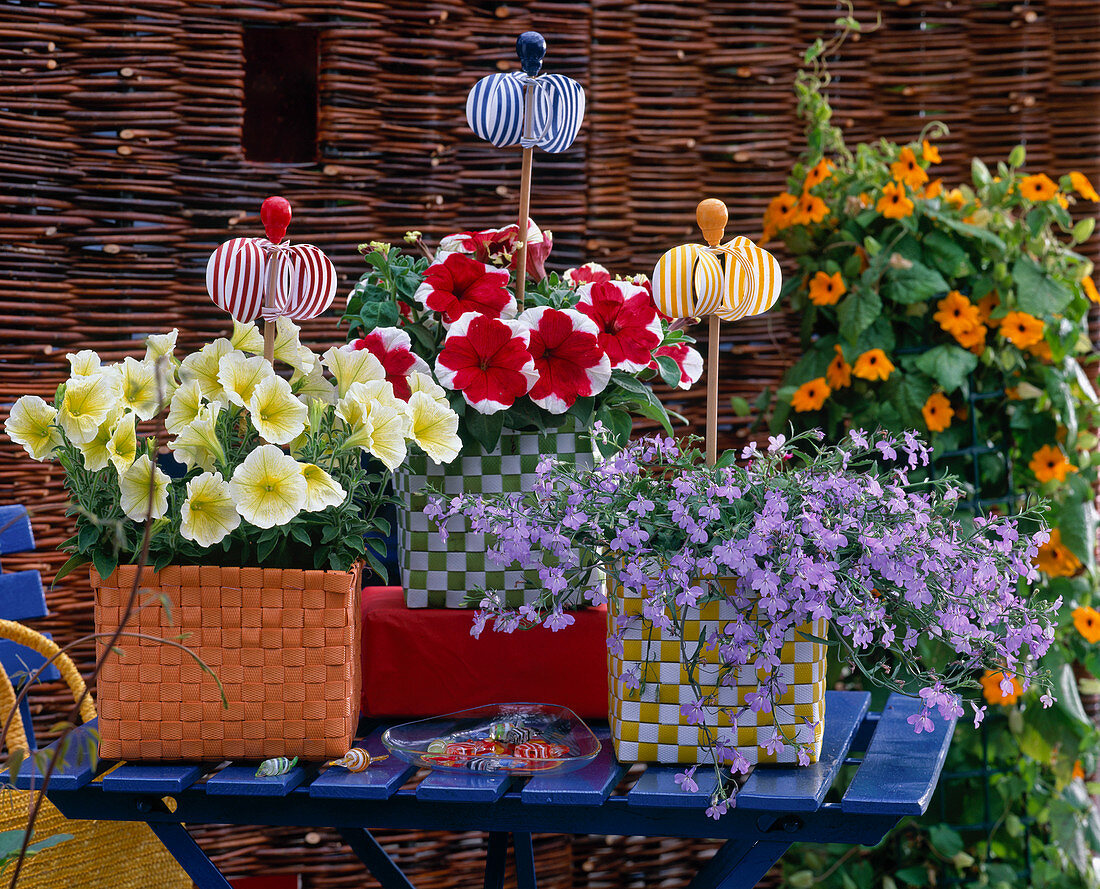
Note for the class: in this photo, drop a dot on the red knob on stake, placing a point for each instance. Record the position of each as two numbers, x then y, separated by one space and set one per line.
275 215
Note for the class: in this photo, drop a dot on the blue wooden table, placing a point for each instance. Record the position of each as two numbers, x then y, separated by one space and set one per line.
897 772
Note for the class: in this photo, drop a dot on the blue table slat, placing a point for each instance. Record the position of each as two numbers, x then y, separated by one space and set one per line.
803 788
15 530
160 778
75 769
242 781
462 787
381 781
900 768
587 786
19 660
658 787
22 596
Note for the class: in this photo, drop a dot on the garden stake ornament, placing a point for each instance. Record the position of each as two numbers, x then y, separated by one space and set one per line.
526 109
249 277
692 281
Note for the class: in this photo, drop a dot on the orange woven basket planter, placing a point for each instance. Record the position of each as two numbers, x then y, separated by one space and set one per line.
283 642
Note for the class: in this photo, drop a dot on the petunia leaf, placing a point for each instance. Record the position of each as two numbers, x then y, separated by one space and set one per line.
669 371
1037 293
484 428
948 365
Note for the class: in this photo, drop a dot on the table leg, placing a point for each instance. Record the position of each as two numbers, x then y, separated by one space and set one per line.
381 866
739 865
525 861
191 858
494 860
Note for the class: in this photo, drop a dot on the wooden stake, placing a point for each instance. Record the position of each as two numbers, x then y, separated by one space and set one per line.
270 328
525 193
712 217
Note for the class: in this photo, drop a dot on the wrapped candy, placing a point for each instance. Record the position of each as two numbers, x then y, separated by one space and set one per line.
356 760
279 765
539 749
510 733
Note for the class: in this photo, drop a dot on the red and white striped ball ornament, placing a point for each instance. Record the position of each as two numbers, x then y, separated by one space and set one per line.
237 272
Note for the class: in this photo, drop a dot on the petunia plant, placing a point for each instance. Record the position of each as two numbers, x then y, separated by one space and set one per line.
583 347
257 464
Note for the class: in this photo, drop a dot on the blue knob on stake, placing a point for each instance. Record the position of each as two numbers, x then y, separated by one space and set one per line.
531 49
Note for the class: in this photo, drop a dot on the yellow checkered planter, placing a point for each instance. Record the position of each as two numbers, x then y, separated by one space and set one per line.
646 723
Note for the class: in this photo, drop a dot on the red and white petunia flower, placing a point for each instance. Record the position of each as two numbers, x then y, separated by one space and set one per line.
589 273
687 359
566 348
539 245
456 284
499 246
393 348
627 319
486 359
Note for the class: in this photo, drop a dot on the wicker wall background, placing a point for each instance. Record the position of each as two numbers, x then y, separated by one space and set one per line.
122 168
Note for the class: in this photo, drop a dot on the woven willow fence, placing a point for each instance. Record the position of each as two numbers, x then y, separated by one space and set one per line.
122 166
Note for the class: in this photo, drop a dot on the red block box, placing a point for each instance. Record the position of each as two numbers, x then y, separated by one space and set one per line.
424 662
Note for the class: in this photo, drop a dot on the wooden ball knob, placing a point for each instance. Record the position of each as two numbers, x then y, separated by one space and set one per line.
712 217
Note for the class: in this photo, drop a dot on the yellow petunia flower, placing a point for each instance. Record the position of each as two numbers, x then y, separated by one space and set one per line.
247 338
84 363
350 366
388 429
238 376
161 345
422 382
313 386
203 367
873 365
208 513
197 443
826 289
1022 329
289 348
937 412
906 169
134 485
929 152
88 401
184 407
1049 463
94 452
810 396
894 204
1083 187
121 447
139 390
1038 188
434 427
839 372
276 413
809 209
820 172
322 490
33 424
268 487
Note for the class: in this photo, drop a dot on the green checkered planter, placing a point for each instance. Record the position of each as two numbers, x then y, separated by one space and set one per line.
438 573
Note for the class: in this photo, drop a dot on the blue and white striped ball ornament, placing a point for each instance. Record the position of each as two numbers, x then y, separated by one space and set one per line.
494 110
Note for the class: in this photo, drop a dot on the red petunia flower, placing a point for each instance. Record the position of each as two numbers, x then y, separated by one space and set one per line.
687 359
627 318
498 246
457 284
589 273
392 347
566 348
486 359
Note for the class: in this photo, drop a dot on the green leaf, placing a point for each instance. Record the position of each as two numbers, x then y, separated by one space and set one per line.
917 283
104 562
741 406
907 393
1069 698
914 876
946 255
1037 293
485 428
669 371
857 312
979 172
971 231
1076 519
948 365
74 562
947 842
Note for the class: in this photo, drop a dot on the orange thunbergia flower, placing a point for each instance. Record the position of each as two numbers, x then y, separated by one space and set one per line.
1083 187
955 198
973 338
810 396
957 314
826 290
1039 187
1041 350
1078 770
810 209
929 152
873 365
991 688
933 189
1055 557
906 169
779 214
839 371
1022 329
1087 621
1062 200
819 173
987 304
894 204
1050 463
937 412
1090 290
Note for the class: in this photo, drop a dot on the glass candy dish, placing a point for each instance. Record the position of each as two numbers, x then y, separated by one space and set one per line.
514 739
